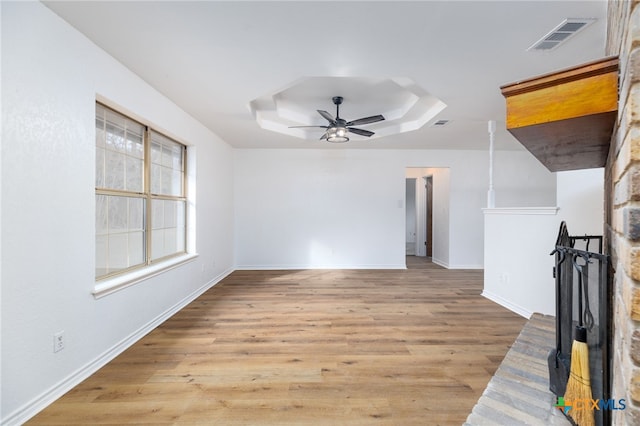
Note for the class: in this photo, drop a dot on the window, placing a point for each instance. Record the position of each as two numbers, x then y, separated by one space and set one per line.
140 194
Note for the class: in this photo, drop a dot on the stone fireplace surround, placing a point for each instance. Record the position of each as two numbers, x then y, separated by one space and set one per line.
622 208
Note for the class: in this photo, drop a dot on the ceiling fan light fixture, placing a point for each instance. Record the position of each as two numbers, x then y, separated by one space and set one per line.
337 135
338 128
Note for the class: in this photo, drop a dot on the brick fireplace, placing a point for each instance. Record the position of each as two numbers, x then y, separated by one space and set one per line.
622 208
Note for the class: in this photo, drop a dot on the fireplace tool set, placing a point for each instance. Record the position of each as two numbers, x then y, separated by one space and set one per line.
579 368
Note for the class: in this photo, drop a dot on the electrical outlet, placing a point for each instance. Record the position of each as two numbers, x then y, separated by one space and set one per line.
58 341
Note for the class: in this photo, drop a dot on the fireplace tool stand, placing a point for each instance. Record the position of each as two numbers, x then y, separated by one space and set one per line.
583 295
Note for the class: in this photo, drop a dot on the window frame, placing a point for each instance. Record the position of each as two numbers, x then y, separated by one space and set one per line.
152 196
150 266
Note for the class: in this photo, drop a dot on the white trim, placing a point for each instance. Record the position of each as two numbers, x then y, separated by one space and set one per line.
37 404
491 193
111 285
440 262
507 304
466 267
302 267
522 210
448 266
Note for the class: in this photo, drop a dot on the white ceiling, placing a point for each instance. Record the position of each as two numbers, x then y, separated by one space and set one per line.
214 58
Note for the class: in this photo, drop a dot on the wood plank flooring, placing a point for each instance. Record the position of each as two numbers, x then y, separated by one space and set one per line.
310 347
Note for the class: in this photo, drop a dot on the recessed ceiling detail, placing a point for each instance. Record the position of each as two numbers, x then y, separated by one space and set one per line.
405 105
561 33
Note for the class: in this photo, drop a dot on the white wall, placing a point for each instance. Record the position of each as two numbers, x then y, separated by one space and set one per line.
518 242
442 253
318 209
518 267
521 187
51 76
341 208
581 200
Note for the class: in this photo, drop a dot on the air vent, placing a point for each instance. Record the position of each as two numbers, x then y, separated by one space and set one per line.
440 123
563 32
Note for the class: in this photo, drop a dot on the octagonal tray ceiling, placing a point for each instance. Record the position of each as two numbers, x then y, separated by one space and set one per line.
405 105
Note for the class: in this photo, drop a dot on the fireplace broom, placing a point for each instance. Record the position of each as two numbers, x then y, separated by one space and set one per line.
579 384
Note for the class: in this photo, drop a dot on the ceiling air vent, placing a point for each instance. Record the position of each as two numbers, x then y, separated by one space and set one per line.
563 32
440 123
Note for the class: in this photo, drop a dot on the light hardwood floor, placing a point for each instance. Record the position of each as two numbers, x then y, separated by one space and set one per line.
310 347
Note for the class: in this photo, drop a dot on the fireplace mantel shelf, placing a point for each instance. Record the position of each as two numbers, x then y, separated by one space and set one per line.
565 119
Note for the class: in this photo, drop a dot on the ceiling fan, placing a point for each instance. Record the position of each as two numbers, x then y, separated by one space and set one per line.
338 128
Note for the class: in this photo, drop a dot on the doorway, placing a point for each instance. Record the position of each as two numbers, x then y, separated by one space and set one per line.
429 214
419 216
429 204
411 217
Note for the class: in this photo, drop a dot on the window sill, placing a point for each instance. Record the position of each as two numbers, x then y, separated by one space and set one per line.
112 285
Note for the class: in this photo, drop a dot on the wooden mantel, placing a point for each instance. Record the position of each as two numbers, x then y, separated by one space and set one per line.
566 118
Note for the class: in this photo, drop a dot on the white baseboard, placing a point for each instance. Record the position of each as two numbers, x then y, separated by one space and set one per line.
448 266
466 267
507 304
440 262
301 267
33 407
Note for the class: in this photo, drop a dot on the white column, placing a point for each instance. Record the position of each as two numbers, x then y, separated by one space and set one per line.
491 195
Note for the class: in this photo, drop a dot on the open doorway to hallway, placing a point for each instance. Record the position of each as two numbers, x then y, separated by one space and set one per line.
428 184
427 213
410 214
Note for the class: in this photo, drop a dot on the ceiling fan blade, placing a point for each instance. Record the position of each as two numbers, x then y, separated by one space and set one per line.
300 127
366 120
327 116
323 137
361 132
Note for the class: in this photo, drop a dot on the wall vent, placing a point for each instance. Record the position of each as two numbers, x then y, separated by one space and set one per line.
563 32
